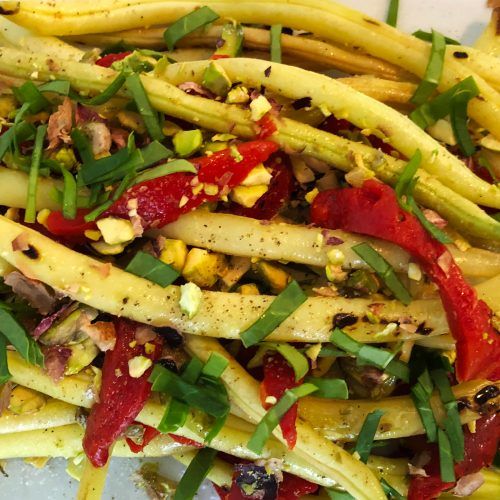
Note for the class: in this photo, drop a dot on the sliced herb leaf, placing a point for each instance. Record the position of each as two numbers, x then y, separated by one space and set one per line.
25 345
293 356
110 91
282 306
420 394
69 195
61 87
215 366
433 71
392 14
367 434
149 115
439 235
5 374
273 416
154 152
18 133
92 216
329 388
28 93
275 34
30 213
384 270
440 107
196 472
166 169
406 180
338 495
459 121
391 493
82 144
206 399
153 269
445 458
187 24
426 36
399 370
453 426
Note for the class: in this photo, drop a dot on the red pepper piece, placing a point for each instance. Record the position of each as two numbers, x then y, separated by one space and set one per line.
186 441
373 210
58 225
159 199
214 57
121 397
267 126
271 202
107 60
278 377
480 449
149 434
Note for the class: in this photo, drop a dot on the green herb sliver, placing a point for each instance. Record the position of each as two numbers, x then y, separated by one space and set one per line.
195 474
384 270
367 434
110 91
5 375
28 93
27 348
390 491
61 87
459 120
171 167
187 24
426 36
433 71
329 388
392 13
282 306
293 357
153 269
275 34
30 214
69 195
272 418
445 458
215 366
452 424
18 133
149 115
420 394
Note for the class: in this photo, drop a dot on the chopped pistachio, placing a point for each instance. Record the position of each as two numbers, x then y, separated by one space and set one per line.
138 366
259 107
190 299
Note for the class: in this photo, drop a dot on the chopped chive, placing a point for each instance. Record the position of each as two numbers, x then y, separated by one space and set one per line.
149 115
153 153
282 306
25 345
440 107
293 357
97 171
406 180
82 144
338 495
28 93
204 398
187 24
384 270
20 132
176 413
399 370
69 195
392 14
5 375
445 458
453 426
329 388
367 434
439 235
459 122
195 474
420 394
104 96
171 167
126 183
433 71
149 267
390 491
215 366
275 34
330 351
427 37
92 216
30 214
272 418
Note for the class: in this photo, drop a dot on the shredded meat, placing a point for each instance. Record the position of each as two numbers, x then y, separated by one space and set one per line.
100 137
194 88
102 333
60 124
56 359
119 136
38 295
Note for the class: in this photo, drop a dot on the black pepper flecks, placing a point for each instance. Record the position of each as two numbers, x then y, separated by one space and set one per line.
460 55
31 252
341 320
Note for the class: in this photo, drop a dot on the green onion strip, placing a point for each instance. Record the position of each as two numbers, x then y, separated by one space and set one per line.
367 434
30 214
392 13
275 34
149 267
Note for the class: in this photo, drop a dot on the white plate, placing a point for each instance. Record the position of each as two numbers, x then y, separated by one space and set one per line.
460 19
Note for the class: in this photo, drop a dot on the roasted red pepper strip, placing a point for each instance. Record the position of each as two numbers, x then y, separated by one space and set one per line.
373 210
149 434
279 192
58 225
164 199
186 441
107 60
121 397
267 126
480 449
278 377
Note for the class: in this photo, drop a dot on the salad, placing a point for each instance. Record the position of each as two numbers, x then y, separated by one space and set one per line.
215 248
